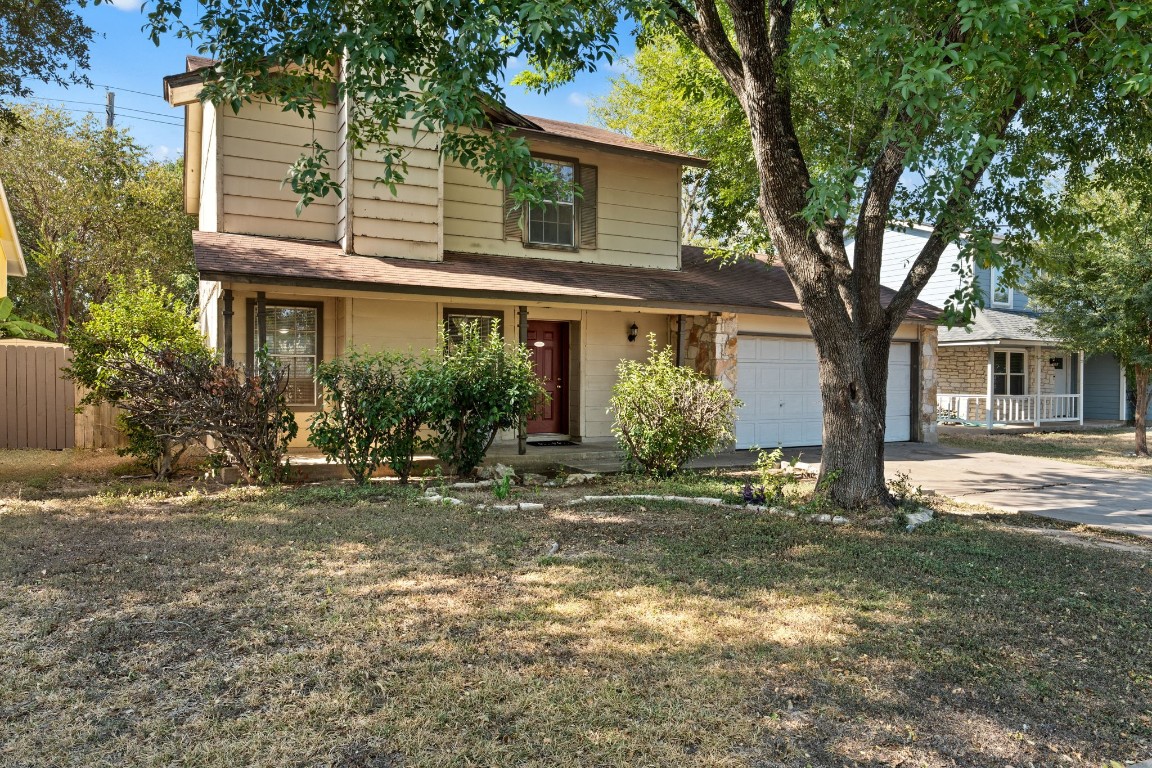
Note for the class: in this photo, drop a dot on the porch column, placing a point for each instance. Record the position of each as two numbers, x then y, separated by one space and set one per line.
522 430
228 314
988 383
1036 401
1080 385
261 321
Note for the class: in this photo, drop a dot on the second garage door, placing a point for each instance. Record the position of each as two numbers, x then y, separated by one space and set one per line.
778 381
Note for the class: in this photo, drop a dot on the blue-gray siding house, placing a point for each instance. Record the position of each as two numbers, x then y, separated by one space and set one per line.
1001 358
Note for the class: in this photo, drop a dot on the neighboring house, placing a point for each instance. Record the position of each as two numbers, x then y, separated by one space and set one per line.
14 265
582 282
1001 355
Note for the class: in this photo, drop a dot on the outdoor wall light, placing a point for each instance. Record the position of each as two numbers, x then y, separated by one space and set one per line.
633 332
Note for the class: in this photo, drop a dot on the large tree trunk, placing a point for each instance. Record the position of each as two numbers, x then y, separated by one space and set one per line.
853 388
1141 416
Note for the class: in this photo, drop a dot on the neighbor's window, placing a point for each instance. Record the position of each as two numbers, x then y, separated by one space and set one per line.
553 222
485 321
1001 291
1008 373
293 340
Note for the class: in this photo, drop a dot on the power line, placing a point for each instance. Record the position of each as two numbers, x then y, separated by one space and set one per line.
127 90
118 107
130 117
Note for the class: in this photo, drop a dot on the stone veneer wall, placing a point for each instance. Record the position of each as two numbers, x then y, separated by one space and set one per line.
963 370
929 362
710 346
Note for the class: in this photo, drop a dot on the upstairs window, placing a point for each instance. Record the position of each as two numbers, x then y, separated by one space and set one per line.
1001 291
553 222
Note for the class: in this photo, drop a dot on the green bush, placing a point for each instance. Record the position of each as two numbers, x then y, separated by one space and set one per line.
665 414
133 321
373 409
476 385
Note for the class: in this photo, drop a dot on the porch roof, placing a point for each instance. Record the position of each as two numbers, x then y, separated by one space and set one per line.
752 286
995 326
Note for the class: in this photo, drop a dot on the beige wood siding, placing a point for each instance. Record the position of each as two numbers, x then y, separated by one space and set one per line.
256 148
638 222
407 224
209 198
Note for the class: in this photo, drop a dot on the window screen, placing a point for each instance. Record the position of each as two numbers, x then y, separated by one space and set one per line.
553 222
293 341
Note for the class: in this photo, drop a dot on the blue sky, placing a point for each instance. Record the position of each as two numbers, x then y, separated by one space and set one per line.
124 59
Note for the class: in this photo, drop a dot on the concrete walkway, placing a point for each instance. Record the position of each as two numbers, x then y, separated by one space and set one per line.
1107 498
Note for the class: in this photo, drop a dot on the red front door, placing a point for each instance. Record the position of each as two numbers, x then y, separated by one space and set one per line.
548 343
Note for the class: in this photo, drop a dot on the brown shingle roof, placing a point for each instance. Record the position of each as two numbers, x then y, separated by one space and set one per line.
753 286
592 135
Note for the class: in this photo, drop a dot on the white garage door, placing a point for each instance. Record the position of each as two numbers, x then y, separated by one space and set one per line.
778 381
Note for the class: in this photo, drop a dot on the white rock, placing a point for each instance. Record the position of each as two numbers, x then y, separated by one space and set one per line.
529 478
579 479
530 506
497 472
914 520
433 497
833 519
504 507
451 501
465 486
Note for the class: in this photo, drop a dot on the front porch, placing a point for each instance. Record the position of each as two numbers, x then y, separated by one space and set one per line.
995 385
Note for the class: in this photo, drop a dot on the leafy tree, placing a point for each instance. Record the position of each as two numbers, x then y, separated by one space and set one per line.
132 322
44 40
89 205
665 415
1095 292
841 102
12 327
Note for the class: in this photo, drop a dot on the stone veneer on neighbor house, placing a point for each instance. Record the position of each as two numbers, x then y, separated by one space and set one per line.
963 370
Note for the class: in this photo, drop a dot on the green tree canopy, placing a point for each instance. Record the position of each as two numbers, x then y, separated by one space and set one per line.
1095 290
89 205
40 40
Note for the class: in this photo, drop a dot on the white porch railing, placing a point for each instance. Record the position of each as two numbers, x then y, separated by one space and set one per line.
1012 409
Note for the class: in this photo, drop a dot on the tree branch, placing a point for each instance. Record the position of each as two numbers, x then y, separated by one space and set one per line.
706 31
929 257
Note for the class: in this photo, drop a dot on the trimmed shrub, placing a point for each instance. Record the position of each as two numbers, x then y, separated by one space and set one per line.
476 386
665 414
373 409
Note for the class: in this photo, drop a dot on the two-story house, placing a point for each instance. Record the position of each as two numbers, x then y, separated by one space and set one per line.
1001 357
13 257
581 281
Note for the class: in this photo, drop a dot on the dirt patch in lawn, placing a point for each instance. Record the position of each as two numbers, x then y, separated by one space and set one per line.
331 626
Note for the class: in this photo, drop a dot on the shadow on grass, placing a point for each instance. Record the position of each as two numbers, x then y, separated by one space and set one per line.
353 630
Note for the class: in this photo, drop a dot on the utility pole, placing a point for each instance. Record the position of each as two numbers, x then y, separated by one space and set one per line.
110 110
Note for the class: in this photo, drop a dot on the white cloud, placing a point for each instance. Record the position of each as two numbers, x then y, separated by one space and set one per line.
578 99
129 6
162 152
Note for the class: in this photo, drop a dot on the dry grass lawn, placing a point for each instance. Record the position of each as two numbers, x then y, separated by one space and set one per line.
1111 448
326 626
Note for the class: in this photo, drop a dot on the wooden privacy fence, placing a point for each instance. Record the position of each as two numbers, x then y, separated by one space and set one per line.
38 405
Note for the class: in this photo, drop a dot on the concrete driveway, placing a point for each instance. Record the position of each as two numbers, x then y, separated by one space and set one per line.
1107 498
